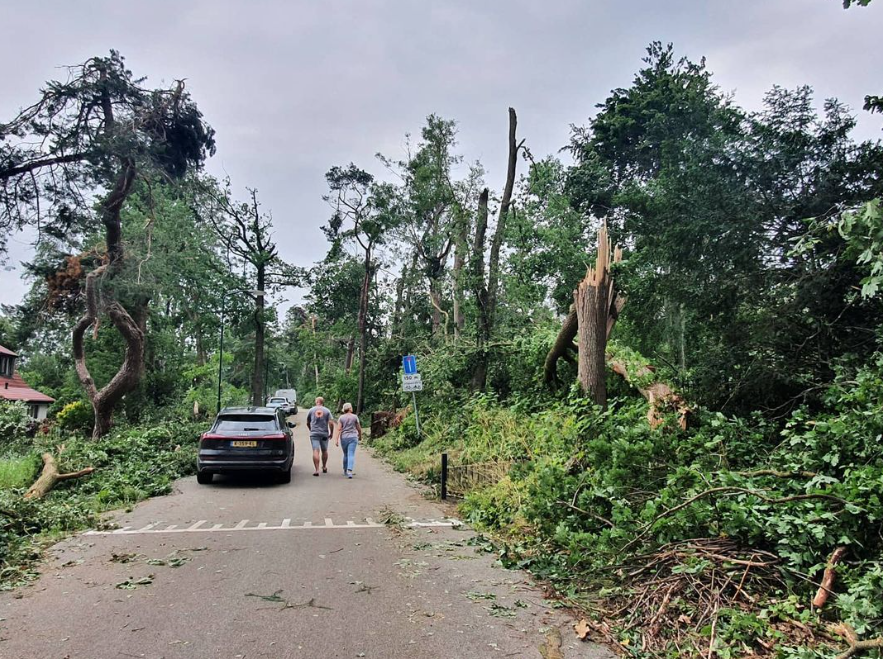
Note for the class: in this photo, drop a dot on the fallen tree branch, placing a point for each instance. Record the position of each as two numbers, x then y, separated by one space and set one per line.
728 490
828 578
777 474
855 645
50 476
590 514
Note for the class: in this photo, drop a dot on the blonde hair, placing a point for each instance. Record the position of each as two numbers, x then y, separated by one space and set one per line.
347 407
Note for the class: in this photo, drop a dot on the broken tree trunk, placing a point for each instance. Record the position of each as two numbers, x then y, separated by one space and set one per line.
592 301
50 476
658 394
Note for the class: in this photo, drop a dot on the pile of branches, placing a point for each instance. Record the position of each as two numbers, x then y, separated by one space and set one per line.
671 597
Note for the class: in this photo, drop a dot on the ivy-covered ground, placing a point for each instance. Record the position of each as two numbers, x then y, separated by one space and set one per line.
130 464
675 541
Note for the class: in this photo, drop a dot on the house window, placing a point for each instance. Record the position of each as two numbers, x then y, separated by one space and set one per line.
34 410
7 365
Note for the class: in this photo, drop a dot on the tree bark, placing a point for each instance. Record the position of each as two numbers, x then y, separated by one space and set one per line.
592 303
482 335
460 238
350 353
499 232
828 578
363 328
486 294
50 476
126 379
257 377
659 394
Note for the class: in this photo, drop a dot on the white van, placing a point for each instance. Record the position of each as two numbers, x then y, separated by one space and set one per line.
290 394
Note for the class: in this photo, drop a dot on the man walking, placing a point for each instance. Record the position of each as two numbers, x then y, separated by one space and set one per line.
320 424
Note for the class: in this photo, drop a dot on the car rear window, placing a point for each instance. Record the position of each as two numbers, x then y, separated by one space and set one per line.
278 400
242 422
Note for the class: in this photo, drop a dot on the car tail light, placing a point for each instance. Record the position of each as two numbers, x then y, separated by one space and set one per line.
208 435
280 435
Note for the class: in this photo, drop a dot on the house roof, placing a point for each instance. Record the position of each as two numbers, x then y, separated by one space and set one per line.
7 351
15 388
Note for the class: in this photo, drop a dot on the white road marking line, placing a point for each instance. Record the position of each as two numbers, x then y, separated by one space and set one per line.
263 526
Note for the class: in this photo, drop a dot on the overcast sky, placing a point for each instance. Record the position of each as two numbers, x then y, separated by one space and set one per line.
294 87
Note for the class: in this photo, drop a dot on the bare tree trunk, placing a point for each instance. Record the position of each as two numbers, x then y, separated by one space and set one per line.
592 300
350 352
363 328
315 352
257 378
591 311
486 295
460 237
398 309
435 298
505 204
482 335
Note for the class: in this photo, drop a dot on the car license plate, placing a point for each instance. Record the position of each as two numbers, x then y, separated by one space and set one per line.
244 444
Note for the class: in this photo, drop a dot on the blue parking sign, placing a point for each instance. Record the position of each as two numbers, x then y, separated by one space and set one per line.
409 363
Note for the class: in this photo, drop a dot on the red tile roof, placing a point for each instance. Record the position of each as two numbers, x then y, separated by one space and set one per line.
7 351
15 388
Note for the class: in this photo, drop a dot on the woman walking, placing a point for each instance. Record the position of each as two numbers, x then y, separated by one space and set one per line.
348 435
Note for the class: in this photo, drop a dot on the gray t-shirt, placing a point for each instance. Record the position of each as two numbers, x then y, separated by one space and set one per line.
318 419
349 426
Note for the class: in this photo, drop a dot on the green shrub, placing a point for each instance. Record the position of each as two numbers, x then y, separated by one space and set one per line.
76 416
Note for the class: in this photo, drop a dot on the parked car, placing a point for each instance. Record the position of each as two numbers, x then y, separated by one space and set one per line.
291 395
246 439
281 403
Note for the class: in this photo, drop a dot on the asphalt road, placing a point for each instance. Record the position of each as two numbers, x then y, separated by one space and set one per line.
244 568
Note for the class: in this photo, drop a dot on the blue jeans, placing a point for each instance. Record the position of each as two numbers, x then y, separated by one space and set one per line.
348 444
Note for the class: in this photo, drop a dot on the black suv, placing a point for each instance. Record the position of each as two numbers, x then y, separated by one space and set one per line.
246 439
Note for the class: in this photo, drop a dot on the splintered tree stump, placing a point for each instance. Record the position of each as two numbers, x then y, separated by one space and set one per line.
50 476
596 308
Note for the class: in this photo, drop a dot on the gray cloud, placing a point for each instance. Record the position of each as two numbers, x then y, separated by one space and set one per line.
295 87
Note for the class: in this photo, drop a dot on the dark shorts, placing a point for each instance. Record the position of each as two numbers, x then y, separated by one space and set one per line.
319 442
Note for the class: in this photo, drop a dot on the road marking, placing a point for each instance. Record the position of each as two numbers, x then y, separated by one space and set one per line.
285 525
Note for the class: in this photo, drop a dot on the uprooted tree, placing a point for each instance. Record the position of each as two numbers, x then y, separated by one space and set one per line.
92 137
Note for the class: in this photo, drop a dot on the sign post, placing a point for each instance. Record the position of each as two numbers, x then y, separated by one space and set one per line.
413 382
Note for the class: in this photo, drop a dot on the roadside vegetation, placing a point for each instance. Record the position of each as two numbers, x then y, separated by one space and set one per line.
130 465
662 348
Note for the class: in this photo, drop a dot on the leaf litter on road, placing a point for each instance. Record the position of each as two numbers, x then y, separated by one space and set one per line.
132 584
287 604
